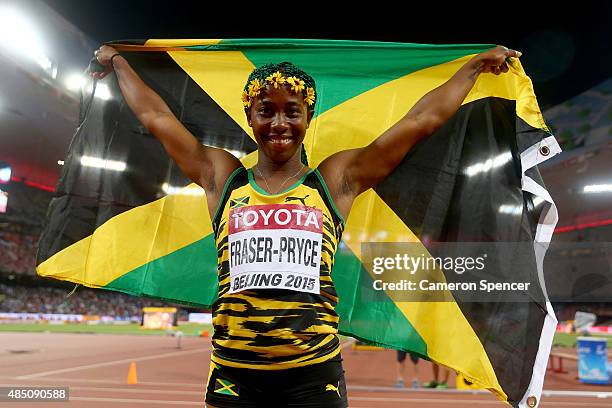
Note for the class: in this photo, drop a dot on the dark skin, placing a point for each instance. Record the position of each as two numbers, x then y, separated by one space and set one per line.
279 119
278 114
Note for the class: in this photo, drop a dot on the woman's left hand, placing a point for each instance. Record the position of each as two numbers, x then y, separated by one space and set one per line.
495 61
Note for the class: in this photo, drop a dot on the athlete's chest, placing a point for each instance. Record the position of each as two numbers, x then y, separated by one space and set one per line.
275 242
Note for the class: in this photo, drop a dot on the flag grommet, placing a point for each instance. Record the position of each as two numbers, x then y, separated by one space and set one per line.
544 150
532 401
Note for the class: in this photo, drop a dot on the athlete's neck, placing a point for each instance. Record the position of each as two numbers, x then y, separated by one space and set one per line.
273 170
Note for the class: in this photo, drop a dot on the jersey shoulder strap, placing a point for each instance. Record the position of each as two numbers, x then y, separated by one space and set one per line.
315 180
237 179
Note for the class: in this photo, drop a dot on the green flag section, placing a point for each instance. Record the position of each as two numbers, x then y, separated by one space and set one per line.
125 218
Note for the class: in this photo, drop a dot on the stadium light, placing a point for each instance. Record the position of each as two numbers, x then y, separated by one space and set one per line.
97 162
103 92
186 191
598 188
18 35
5 175
3 201
74 82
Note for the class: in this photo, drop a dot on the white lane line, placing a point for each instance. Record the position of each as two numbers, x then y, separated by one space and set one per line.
110 363
545 393
137 401
466 402
366 388
362 399
137 390
380 388
118 382
561 393
134 389
427 400
576 404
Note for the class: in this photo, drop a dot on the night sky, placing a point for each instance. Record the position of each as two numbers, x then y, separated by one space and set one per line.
565 52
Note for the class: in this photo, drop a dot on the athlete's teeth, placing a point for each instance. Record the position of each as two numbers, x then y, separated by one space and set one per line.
282 141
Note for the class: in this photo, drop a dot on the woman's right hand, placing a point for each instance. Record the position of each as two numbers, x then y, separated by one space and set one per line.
103 56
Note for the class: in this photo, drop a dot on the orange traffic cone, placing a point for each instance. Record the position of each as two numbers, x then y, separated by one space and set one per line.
131 378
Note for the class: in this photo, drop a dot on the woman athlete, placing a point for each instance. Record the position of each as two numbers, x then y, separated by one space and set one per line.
277 226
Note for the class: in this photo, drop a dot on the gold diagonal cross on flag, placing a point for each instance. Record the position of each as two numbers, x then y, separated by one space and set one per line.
355 123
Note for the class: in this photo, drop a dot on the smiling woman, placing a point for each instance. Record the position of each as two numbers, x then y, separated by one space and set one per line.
276 326
279 103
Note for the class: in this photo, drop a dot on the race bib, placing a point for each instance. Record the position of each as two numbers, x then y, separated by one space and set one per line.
275 246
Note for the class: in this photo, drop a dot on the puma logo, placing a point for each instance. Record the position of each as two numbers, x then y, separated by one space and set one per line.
331 387
300 199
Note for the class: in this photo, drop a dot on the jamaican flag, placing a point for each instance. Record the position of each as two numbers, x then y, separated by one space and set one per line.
124 218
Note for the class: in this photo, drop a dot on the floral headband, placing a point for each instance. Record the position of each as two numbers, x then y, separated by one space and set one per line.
277 79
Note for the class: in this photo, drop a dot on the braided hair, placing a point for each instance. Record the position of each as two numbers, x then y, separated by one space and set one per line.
288 70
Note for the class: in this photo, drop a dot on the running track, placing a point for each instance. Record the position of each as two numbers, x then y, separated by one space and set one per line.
95 368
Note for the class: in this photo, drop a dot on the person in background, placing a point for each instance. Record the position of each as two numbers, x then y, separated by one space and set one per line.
401 365
436 383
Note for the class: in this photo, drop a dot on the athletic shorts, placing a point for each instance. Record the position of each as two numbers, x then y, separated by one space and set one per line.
401 356
314 386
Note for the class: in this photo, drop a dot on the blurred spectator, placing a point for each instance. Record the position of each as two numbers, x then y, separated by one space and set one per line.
18 252
24 299
583 120
24 293
567 311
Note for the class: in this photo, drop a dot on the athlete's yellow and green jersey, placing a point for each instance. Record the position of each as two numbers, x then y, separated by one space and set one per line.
276 304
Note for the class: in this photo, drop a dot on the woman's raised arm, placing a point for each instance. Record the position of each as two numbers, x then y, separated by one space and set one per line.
207 166
363 168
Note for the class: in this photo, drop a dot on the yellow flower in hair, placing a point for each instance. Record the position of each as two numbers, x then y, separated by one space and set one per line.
277 79
254 88
246 101
297 85
310 96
